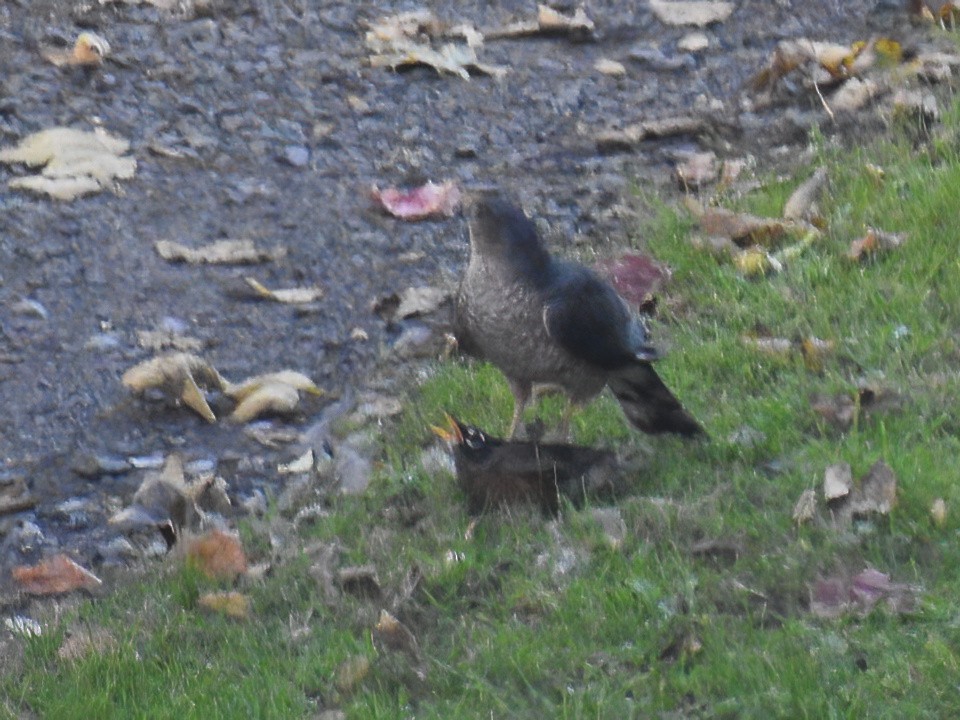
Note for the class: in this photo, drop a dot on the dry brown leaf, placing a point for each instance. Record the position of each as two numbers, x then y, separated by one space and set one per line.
549 22
53 576
699 13
873 242
632 135
227 252
815 351
806 507
391 634
292 296
89 49
697 169
351 673
232 604
801 202
745 229
217 555
178 375
75 162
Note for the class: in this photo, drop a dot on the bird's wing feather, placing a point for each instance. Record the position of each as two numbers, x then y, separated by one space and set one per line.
586 317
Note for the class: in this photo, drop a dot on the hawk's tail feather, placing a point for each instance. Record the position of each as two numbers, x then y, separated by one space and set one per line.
648 403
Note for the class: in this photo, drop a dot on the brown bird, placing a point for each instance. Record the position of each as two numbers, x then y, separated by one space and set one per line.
495 473
547 321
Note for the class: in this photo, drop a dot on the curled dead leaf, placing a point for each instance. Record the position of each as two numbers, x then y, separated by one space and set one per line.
293 296
297 380
221 252
178 375
874 242
806 507
216 554
391 634
89 49
54 576
427 201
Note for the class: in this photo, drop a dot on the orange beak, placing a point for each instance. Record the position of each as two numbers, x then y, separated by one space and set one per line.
451 433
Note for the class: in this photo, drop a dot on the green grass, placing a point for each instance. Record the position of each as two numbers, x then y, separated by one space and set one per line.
538 619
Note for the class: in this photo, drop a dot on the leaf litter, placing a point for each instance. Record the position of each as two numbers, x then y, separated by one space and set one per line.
75 162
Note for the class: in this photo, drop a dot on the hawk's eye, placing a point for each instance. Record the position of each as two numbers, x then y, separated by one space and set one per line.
474 439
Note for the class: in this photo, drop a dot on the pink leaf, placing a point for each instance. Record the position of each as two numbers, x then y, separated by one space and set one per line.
636 277
430 200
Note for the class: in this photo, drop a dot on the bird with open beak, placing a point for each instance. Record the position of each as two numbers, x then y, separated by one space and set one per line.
495 473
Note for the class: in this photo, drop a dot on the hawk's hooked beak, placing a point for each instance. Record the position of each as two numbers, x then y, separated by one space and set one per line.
452 432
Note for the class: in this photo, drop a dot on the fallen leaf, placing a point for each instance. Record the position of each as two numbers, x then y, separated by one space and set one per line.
293 296
53 576
302 464
801 202
873 242
837 481
697 169
745 229
217 555
75 162
772 346
549 22
838 410
276 393
89 49
351 673
416 301
755 261
632 135
938 512
221 252
815 351
84 643
232 604
426 201
854 94
163 497
806 507
637 278
391 634
691 12
178 375
837 596
605 66
877 492
15 496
